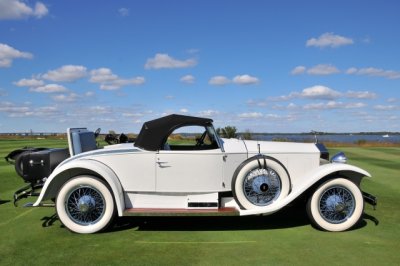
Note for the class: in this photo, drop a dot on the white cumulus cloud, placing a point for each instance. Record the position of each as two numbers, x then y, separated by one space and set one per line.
165 61
386 107
188 79
208 113
101 109
351 70
29 83
67 73
123 12
245 80
298 70
119 83
320 92
361 94
323 69
321 106
251 115
72 97
219 80
376 72
13 110
16 9
101 75
110 81
329 39
49 88
8 54
333 105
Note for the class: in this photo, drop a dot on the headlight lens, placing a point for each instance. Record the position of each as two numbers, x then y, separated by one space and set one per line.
339 158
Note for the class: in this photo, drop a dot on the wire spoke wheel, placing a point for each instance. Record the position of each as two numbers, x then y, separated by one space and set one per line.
260 182
262 186
85 205
337 204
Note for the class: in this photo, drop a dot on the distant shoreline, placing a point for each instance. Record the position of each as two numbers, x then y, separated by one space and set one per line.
239 133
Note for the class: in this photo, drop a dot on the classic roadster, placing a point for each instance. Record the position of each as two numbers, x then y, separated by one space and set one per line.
158 175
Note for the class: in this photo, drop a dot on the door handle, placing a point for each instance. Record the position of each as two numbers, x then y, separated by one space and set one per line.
162 164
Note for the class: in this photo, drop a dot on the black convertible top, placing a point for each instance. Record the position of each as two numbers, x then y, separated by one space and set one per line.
154 133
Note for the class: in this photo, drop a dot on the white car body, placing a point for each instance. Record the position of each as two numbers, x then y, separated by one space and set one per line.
193 182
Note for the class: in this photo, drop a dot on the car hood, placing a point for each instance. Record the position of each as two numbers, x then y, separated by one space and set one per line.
269 147
280 147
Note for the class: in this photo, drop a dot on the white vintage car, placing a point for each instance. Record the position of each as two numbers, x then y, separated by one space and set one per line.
157 176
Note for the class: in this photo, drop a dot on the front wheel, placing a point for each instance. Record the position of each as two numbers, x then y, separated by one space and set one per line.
85 205
336 205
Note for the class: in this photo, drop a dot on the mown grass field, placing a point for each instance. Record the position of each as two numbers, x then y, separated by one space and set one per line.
34 236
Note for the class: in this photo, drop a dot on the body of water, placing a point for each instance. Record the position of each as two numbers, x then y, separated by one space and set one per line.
329 138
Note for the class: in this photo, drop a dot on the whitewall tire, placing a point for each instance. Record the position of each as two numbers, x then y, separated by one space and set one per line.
259 182
85 205
336 205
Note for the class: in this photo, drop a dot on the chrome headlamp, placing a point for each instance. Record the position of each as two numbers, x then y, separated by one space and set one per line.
339 158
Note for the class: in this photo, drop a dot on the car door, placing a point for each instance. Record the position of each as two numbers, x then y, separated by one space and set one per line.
190 162
189 171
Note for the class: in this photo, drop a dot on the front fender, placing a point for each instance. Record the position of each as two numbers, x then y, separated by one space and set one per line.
78 167
348 171
305 182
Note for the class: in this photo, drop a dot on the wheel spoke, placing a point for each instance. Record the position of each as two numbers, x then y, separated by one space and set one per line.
85 205
262 186
336 204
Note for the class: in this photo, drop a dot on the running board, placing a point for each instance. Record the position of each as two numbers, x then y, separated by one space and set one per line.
181 212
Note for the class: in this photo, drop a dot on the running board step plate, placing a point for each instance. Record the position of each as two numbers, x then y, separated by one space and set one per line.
181 212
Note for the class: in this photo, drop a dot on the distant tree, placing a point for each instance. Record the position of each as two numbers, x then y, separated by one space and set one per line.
227 132
247 135
112 132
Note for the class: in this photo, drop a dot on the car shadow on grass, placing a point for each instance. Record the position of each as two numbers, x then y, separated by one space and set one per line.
50 220
287 218
4 201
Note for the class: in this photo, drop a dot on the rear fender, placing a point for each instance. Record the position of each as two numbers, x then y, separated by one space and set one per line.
79 167
310 179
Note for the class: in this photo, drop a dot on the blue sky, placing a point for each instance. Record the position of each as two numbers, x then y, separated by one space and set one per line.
263 66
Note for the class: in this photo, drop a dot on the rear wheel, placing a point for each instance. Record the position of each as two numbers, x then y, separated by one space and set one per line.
336 205
85 205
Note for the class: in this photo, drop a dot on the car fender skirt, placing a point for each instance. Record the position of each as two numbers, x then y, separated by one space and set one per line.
78 167
310 179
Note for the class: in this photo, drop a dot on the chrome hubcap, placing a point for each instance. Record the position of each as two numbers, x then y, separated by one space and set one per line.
85 205
336 204
262 186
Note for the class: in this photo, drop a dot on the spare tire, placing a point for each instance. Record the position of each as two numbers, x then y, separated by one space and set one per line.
260 181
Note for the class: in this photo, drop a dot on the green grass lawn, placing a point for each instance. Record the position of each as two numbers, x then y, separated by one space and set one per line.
34 236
